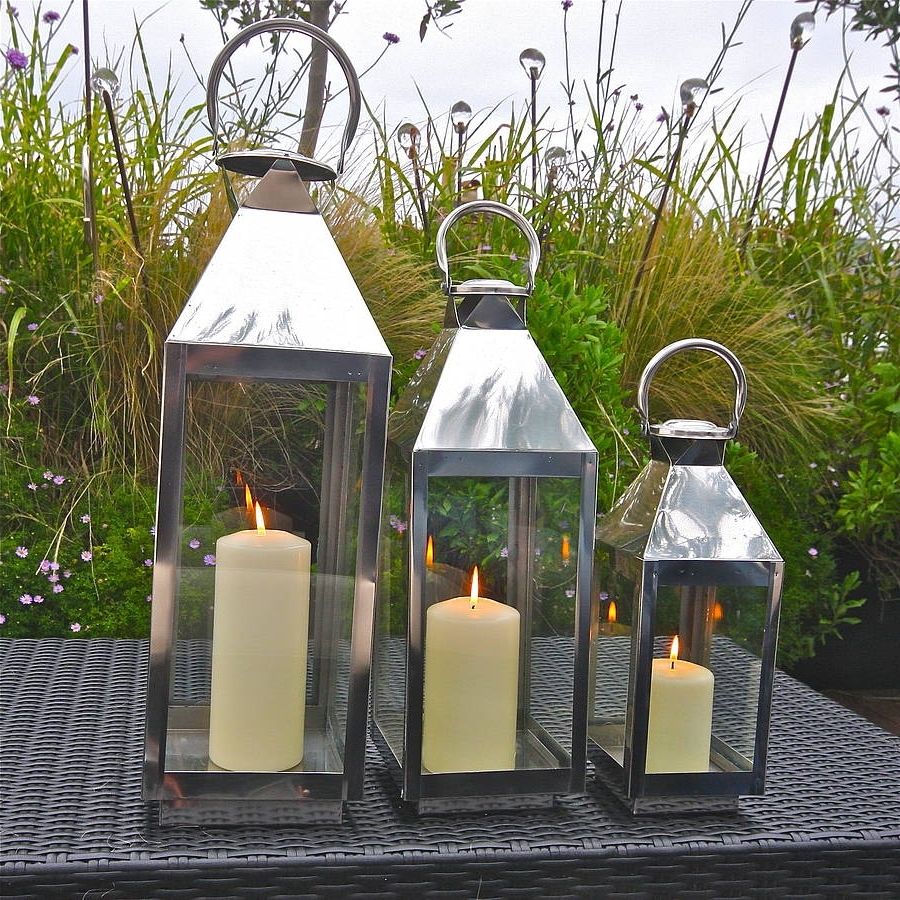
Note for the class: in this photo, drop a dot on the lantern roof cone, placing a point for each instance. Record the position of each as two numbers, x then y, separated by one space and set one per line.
259 290
684 505
485 385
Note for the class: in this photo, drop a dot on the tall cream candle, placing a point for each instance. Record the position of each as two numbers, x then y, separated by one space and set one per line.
680 726
260 637
471 685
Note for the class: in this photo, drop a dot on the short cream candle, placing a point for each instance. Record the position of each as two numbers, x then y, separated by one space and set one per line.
680 726
259 654
471 685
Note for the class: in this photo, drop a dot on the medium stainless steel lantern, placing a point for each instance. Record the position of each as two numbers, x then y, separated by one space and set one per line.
275 391
480 688
688 589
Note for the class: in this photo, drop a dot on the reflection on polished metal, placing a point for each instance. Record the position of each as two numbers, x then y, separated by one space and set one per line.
682 553
276 316
484 414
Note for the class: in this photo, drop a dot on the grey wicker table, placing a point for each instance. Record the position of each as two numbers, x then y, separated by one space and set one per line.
74 824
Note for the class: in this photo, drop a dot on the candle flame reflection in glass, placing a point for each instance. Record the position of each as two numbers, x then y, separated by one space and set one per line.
248 499
611 614
717 612
429 552
474 592
673 653
260 521
565 549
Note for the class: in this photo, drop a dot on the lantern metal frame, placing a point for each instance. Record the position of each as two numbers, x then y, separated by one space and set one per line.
485 333
253 317
724 546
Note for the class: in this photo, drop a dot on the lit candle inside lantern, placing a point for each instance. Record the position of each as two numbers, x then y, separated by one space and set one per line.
565 549
471 684
680 724
260 637
612 626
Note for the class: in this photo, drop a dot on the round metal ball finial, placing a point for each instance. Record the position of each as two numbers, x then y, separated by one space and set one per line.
460 116
105 80
408 136
802 29
533 62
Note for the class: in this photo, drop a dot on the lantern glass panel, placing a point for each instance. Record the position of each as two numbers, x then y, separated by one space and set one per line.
293 447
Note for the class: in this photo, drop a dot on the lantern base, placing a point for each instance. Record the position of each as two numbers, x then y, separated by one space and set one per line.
249 812
435 806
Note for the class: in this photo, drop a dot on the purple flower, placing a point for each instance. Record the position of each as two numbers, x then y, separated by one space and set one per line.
663 117
792 316
75 626
193 543
2 619
148 563
566 5
33 399
638 106
50 16
21 552
98 298
48 475
391 38
86 555
54 566
504 553
32 486
397 524
570 593
153 530
73 50
421 353
59 479
604 596
67 573
634 97
16 58
44 566
209 559
883 111
38 598
53 578
813 552
58 588
86 518
26 599
32 326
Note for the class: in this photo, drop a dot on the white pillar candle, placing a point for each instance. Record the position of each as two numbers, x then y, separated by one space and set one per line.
260 639
471 685
680 725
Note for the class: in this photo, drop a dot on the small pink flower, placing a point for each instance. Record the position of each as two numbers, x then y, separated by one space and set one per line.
26 599
32 326
53 578
38 598
44 566
153 530
570 593
58 588
421 353
148 563
2 619
193 543
33 399
54 566
604 595
209 559
75 626
814 465
59 479
504 553
32 486
21 552
98 298
48 475
86 518
86 555
67 574
813 552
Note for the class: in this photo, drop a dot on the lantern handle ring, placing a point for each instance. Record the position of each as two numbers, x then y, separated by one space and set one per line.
499 209
317 34
733 363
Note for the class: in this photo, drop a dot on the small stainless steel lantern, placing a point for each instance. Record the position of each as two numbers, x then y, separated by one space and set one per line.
688 589
275 391
480 690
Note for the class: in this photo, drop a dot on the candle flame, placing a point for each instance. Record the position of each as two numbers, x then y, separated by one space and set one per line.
248 499
611 615
260 521
673 653
429 552
474 592
717 612
565 549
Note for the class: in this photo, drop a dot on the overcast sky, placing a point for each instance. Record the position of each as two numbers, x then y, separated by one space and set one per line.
661 42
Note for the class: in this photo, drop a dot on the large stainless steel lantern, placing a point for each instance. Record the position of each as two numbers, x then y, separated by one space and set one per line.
688 589
275 390
480 686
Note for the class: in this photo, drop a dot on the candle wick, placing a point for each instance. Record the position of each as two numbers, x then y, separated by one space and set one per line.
673 663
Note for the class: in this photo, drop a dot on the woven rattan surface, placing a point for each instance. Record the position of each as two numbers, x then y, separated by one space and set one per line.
74 824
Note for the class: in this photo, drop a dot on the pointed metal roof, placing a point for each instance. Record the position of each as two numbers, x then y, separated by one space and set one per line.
686 512
277 279
486 389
